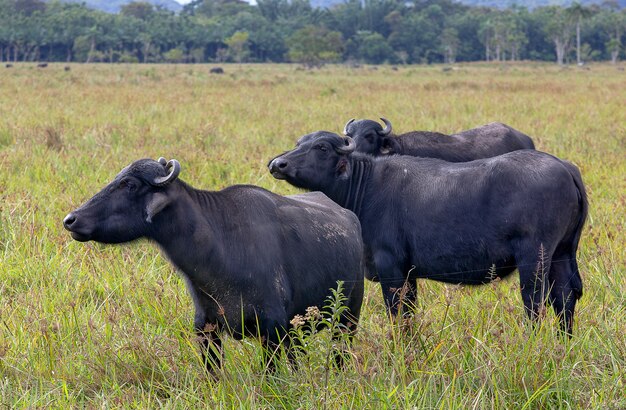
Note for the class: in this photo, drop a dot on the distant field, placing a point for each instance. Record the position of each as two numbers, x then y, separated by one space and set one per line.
84 325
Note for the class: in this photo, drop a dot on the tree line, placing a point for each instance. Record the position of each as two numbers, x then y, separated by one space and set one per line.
368 31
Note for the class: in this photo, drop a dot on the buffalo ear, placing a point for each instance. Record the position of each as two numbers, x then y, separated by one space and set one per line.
158 202
343 167
388 146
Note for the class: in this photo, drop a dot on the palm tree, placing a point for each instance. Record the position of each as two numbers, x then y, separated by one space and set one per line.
578 12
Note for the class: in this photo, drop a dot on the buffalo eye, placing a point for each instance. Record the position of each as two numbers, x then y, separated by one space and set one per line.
322 148
128 184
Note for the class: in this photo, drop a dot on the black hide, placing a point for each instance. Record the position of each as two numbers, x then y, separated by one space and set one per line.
252 259
482 142
465 223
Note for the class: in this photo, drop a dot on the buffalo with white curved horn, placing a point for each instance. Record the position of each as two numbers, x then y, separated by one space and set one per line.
252 259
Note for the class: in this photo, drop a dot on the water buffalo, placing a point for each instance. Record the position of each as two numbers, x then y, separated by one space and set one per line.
482 142
252 259
462 223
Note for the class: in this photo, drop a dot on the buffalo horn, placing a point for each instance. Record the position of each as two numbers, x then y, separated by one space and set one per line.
345 129
175 170
348 148
387 128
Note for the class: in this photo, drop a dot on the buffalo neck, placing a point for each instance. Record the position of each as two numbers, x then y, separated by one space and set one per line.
186 224
350 192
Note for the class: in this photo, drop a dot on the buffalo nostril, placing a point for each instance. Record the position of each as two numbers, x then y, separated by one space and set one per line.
278 164
69 220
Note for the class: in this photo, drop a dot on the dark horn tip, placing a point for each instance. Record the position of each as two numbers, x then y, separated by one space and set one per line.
345 128
387 128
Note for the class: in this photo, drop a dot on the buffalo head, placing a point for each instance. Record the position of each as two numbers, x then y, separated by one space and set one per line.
370 137
317 161
124 209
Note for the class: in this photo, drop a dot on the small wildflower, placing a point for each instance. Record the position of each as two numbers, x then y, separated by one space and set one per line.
312 313
298 320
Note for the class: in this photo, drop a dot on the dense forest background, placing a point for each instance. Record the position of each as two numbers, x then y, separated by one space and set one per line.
354 31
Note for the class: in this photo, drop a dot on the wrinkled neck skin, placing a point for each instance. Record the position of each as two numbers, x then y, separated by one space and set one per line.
349 192
184 227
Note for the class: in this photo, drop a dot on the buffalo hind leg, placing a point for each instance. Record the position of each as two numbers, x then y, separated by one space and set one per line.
534 267
565 291
273 334
344 333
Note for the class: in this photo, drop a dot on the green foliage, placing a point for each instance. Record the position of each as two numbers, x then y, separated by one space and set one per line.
81 47
371 48
375 31
137 9
315 46
316 350
175 55
238 48
127 58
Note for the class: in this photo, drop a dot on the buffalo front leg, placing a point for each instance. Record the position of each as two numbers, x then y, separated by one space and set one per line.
392 283
210 345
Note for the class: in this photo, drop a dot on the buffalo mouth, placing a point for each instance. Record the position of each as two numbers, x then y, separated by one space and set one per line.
278 175
70 224
80 237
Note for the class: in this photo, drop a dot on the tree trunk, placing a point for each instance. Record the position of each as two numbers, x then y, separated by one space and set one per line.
487 49
560 50
614 55
69 54
146 50
578 42
92 48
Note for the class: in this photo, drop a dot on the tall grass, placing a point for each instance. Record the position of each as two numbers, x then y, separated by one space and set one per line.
85 325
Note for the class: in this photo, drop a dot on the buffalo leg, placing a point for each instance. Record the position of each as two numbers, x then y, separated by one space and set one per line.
210 344
409 293
565 291
533 269
391 281
348 330
272 335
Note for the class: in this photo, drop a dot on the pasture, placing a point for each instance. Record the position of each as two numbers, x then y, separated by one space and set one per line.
86 325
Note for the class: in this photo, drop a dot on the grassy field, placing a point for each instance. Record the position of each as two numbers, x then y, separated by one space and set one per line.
84 325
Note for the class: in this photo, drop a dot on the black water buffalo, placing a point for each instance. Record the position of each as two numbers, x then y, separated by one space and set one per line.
462 223
481 142
252 259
